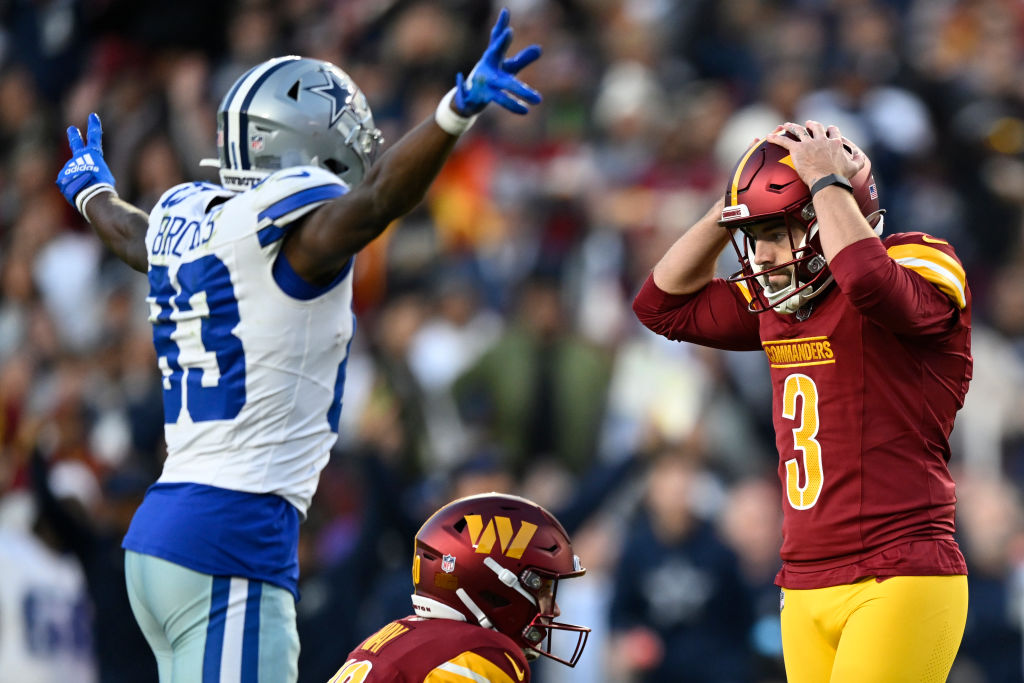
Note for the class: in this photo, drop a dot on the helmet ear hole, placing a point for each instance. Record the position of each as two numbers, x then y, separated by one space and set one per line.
493 599
335 166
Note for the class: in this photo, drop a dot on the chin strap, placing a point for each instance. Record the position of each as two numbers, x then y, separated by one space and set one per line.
508 578
880 225
472 606
434 609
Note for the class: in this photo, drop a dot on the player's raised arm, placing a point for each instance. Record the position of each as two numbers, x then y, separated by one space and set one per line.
689 264
398 181
87 183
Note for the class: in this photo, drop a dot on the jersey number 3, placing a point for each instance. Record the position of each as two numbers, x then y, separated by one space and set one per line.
806 495
193 316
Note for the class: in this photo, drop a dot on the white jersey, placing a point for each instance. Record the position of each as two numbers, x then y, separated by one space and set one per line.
253 358
45 614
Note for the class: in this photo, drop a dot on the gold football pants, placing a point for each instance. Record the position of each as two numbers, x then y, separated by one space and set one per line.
905 628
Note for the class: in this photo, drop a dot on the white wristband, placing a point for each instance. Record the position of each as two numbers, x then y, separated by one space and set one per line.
88 193
448 120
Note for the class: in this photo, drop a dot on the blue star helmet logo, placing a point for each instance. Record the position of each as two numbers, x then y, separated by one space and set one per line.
334 91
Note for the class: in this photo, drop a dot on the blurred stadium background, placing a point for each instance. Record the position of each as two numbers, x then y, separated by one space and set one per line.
496 349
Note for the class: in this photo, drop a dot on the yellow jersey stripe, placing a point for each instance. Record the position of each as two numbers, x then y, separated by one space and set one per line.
933 265
466 667
925 253
744 291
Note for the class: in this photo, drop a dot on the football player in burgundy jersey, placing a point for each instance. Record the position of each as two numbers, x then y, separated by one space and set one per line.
868 343
485 573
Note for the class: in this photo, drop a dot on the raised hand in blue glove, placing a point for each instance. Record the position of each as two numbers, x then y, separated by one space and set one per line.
85 175
493 78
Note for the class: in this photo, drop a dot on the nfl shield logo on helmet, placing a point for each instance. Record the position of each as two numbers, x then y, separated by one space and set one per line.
448 564
256 143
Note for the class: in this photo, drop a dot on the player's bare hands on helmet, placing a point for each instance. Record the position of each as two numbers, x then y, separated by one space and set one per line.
818 151
493 79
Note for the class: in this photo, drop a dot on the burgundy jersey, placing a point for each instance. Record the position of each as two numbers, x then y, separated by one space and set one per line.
865 389
418 650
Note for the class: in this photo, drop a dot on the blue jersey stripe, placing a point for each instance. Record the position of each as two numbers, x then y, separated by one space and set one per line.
271 234
292 284
334 412
293 202
300 199
215 629
251 634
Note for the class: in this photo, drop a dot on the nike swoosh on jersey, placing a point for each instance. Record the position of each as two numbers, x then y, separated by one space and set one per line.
519 672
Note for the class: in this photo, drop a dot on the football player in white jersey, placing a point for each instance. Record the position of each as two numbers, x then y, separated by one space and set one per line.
250 301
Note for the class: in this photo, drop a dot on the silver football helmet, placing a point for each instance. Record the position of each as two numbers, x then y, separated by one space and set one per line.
294 111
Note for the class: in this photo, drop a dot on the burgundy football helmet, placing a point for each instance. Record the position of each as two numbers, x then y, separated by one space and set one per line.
764 186
493 559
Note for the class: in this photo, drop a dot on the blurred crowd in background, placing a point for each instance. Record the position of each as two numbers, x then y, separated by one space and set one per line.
496 349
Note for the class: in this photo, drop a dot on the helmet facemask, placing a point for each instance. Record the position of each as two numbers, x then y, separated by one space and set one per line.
542 628
808 270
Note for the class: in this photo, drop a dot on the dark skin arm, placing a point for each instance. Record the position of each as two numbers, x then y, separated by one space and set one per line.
319 247
393 186
122 227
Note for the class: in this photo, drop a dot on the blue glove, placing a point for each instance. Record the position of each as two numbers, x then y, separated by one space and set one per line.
85 175
493 78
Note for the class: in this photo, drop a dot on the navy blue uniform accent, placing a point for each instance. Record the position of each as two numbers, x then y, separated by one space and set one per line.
251 634
292 284
166 348
215 629
334 413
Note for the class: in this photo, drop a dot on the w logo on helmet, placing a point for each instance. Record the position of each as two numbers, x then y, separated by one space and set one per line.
499 529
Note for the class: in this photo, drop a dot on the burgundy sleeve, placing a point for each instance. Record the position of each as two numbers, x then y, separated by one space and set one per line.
894 296
714 316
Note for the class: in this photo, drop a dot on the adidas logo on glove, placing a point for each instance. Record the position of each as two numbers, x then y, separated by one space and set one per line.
82 164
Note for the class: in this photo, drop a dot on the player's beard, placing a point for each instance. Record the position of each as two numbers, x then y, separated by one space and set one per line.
777 280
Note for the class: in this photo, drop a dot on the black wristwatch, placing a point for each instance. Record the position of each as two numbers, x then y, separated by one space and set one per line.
831 179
